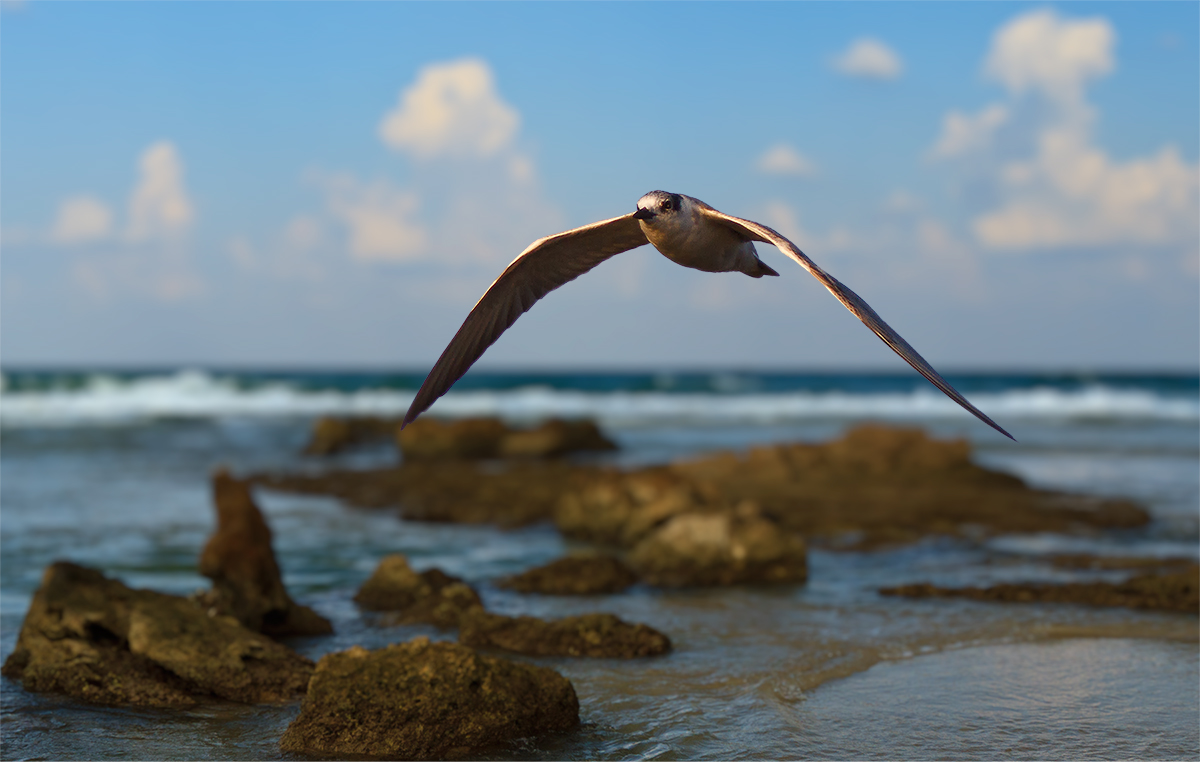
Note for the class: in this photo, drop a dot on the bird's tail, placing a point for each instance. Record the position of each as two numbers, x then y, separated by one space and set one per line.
761 269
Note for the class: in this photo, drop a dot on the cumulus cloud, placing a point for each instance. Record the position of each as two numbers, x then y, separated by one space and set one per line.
381 220
962 133
869 58
782 159
1057 188
1040 50
81 219
159 206
452 109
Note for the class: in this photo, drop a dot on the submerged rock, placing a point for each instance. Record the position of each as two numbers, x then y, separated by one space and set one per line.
584 574
94 639
331 435
477 438
1176 589
423 700
238 558
704 549
595 635
431 596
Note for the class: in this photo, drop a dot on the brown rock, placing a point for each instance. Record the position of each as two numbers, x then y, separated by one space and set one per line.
331 435
703 549
238 558
431 439
476 438
884 486
621 509
510 494
1170 590
553 439
99 641
574 575
595 635
422 700
431 596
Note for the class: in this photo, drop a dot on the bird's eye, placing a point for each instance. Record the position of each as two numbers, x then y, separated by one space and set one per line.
667 205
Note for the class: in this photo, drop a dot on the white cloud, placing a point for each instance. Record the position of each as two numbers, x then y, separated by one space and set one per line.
452 109
869 58
159 206
81 219
380 218
962 133
1051 186
1040 50
782 159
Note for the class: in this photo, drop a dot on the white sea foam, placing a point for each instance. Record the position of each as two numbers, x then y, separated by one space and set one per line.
102 399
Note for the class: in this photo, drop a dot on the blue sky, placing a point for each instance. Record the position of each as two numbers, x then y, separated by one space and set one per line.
1009 185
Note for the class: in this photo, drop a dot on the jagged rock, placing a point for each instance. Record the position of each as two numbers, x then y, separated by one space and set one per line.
1167 590
94 639
423 700
331 435
476 438
703 549
590 574
431 596
595 635
238 558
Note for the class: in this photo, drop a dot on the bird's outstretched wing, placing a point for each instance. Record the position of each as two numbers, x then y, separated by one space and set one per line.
853 302
547 264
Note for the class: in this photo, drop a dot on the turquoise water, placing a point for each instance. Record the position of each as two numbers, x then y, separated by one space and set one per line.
111 470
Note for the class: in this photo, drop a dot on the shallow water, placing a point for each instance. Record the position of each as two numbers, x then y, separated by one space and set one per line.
830 669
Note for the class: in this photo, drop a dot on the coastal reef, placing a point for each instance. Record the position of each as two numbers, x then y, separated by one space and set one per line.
424 700
434 597
96 640
468 439
1176 587
876 486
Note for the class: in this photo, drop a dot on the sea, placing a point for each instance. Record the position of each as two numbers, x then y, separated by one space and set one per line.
110 469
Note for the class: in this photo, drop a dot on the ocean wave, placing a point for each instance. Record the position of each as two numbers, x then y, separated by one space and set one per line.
107 399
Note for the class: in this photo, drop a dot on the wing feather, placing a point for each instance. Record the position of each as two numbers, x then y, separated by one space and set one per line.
852 302
547 264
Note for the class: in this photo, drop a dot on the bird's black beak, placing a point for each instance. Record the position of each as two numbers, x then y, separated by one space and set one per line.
643 214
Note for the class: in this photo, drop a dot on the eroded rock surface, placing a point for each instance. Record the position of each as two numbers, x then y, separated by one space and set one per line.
595 635
423 700
94 639
240 561
1176 589
584 574
430 596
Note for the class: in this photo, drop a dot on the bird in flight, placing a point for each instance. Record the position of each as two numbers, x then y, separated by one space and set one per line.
686 231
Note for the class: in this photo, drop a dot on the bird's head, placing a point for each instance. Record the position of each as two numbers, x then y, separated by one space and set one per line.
658 206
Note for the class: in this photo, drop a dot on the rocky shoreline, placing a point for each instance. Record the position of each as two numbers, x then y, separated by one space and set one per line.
723 519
